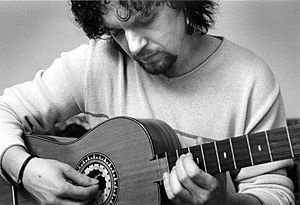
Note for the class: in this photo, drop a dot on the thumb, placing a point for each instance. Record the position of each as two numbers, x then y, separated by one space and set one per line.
78 178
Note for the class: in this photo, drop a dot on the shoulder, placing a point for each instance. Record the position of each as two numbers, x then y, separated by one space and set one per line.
87 62
248 79
96 54
246 75
243 57
244 65
93 49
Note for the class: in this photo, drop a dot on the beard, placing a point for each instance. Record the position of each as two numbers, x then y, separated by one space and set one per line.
159 63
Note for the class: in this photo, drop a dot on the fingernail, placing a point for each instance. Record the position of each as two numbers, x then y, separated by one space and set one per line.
165 175
95 181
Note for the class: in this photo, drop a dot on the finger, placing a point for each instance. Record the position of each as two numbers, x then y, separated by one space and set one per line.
199 177
78 192
196 191
221 180
177 189
78 178
167 186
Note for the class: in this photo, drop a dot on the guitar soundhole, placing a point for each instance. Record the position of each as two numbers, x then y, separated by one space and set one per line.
98 175
99 166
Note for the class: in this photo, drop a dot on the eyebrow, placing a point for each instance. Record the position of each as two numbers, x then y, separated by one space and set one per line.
137 21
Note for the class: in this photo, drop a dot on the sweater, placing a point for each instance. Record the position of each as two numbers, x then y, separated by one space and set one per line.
232 93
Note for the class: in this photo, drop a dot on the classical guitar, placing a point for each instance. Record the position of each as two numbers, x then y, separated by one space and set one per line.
128 156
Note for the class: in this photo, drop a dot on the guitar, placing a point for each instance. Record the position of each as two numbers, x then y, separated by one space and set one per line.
129 156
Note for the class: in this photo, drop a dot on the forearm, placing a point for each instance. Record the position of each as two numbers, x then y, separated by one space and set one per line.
269 182
242 199
12 161
33 107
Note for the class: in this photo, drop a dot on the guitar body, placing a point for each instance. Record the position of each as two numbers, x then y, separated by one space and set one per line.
129 156
120 153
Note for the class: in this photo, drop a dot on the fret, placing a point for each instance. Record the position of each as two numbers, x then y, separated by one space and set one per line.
241 152
173 156
210 158
157 164
238 152
177 155
294 132
197 160
249 149
268 145
203 158
259 148
225 155
217 154
159 169
14 195
232 153
290 142
180 152
197 154
167 161
280 144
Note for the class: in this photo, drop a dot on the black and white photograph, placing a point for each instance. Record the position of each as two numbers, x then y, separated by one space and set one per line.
150 102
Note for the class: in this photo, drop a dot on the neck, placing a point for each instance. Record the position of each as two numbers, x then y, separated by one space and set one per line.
237 152
196 49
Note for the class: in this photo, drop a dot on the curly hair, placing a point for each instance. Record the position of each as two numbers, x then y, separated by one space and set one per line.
199 14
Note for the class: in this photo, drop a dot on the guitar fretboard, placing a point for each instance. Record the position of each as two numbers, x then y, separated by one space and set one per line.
243 151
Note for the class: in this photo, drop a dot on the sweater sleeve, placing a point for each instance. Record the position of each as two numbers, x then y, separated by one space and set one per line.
268 182
35 106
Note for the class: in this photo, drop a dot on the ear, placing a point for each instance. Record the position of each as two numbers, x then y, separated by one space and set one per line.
188 23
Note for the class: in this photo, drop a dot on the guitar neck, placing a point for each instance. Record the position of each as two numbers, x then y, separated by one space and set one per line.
243 151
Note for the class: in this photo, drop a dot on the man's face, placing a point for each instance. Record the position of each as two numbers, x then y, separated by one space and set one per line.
154 40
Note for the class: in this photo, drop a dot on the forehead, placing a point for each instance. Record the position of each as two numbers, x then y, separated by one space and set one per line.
128 13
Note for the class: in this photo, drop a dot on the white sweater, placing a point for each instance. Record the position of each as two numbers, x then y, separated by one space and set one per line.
232 93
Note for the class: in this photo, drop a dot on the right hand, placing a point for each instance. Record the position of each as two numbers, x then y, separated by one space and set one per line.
54 182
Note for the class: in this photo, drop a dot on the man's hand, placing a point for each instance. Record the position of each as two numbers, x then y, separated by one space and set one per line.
54 182
187 184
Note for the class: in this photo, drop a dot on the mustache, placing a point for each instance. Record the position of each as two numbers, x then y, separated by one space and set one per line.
146 53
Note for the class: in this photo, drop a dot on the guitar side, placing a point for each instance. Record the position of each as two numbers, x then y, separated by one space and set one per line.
127 146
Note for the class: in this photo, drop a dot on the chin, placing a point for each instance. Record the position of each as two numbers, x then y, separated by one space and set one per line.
155 69
161 67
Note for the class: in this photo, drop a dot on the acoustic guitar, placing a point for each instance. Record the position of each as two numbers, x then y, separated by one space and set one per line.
129 156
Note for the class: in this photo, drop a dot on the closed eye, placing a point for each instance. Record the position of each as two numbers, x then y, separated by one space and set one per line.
147 20
141 22
113 31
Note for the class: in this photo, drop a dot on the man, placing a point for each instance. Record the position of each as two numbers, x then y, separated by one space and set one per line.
158 63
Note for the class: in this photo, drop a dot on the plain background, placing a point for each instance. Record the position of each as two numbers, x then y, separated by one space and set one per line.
34 33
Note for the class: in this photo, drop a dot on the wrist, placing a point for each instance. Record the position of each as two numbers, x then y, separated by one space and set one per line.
21 171
12 161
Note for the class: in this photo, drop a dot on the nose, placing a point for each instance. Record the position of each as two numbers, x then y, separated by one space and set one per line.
135 41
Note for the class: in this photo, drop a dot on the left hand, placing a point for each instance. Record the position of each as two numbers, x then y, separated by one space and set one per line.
187 184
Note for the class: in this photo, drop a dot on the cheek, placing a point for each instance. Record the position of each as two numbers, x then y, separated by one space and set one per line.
172 40
172 33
